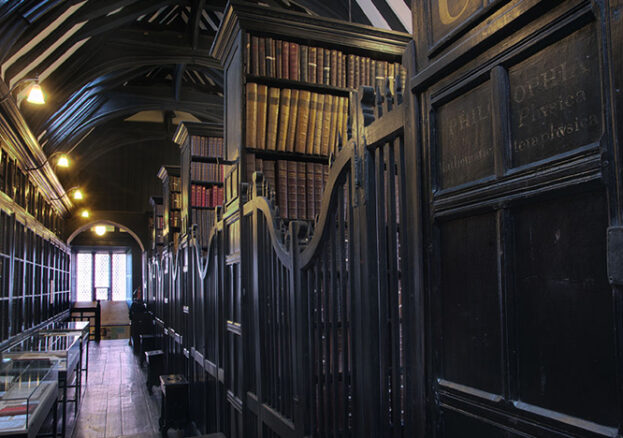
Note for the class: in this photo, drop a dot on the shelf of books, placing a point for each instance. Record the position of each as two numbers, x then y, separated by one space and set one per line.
156 222
296 73
172 204
203 168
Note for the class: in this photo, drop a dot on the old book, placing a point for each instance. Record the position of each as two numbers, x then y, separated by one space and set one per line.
284 116
311 65
250 166
251 122
262 109
282 187
292 121
262 55
302 121
318 128
292 189
343 70
294 62
309 191
278 58
273 118
326 124
247 59
357 69
313 108
303 60
270 57
301 183
350 67
285 60
327 67
373 73
333 71
255 55
319 65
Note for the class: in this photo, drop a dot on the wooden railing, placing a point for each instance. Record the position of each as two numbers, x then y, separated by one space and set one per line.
322 310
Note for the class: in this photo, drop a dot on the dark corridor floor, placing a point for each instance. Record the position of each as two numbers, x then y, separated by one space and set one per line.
115 402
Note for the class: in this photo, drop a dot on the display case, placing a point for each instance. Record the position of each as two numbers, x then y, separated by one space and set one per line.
28 391
62 350
72 328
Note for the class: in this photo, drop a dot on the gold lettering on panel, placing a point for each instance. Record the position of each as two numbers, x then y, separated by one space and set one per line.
444 11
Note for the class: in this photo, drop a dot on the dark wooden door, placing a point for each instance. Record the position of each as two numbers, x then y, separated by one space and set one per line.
520 187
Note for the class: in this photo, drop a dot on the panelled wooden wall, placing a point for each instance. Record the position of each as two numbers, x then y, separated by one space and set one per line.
517 209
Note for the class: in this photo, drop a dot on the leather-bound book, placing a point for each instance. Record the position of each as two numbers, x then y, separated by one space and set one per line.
284 117
292 120
327 67
270 57
262 55
255 55
312 66
326 124
248 59
318 128
285 60
319 65
294 62
292 189
273 118
262 109
282 187
251 122
301 183
311 126
334 70
303 60
302 121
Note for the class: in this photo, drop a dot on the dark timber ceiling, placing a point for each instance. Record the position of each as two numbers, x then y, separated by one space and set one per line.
102 62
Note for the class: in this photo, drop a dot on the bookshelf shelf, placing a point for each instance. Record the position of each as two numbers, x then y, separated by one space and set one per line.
204 159
206 183
284 155
299 85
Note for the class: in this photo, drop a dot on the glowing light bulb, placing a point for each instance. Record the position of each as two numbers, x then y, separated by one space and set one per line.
100 230
85 213
78 195
63 161
35 95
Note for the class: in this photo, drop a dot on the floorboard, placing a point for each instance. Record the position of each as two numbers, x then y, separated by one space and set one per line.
115 401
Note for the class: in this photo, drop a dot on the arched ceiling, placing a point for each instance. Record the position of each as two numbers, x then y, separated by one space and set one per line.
101 62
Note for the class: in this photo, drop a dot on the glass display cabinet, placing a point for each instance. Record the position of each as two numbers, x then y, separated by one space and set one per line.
73 328
63 351
28 391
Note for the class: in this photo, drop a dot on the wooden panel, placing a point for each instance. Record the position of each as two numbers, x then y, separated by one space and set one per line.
564 307
447 15
556 99
457 425
464 137
470 338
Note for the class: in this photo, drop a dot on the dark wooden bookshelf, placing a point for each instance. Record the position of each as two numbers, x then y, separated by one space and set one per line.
201 144
157 222
171 197
252 45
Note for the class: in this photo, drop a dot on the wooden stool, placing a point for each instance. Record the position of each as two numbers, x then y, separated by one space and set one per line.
174 406
155 367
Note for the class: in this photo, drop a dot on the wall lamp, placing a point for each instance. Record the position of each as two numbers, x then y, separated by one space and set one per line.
35 93
85 213
77 194
63 161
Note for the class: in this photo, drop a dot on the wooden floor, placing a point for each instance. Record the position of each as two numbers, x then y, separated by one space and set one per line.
115 402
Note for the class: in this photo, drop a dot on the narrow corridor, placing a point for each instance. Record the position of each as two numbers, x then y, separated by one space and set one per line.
115 401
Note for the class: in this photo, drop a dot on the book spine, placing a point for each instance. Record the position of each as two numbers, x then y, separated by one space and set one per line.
284 116
270 57
303 121
326 124
282 181
262 109
255 55
262 56
251 122
311 129
317 150
309 191
301 182
304 59
334 70
327 67
319 65
294 62
292 120
285 61
292 189
273 114
312 66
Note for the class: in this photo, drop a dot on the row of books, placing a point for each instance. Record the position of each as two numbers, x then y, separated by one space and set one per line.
317 65
159 222
297 185
175 200
175 219
175 183
211 172
205 221
201 196
206 146
294 120
17 185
